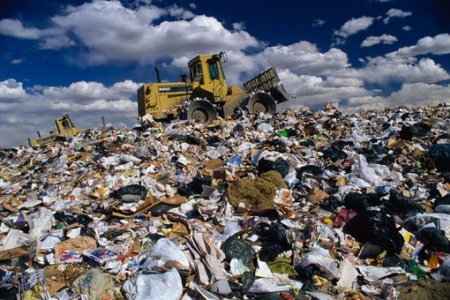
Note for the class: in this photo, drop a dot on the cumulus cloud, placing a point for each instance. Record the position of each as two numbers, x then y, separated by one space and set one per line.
384 70
314 91
396 13
51 38
413 94
437 45
303 57
108 31
238 26
131 34
354 26
16 29
318 22
382 39
56 42
420 94
86 102
11 90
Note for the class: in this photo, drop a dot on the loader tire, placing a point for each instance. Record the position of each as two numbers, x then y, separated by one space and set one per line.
262 103
202 111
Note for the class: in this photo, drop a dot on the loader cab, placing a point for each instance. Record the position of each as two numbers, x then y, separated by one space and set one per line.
207 77
66 127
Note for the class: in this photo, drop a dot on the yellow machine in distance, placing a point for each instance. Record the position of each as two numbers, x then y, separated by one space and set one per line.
66 129
207 95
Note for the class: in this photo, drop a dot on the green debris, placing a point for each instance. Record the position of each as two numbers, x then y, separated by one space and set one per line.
416 270
283 265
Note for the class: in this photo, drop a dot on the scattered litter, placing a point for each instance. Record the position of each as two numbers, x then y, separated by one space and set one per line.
316 204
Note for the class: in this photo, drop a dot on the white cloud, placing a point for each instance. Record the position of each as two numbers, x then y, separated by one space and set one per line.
384 70
238 26
303 57
16 29
56 42
413 94
318 22
16 61
437 45
134 35
382 39
406 28
86 102
354 26
396 13
316 90
179 12
51 38
11 90
420 94
107 31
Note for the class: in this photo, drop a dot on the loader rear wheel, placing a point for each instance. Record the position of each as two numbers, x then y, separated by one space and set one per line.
202 111
262 103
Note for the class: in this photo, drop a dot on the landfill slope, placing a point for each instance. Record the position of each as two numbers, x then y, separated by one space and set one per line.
296 205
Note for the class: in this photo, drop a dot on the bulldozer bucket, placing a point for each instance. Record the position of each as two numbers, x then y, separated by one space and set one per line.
261 103
201 110
269 82
279 94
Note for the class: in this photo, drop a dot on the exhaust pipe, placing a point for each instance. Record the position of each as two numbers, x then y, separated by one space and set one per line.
158 76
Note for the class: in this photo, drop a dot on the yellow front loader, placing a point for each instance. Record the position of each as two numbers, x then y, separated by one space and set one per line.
65 129
207 95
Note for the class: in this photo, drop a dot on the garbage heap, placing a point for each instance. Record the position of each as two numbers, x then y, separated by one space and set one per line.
299 205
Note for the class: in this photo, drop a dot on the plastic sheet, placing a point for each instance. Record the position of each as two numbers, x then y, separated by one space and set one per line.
154 286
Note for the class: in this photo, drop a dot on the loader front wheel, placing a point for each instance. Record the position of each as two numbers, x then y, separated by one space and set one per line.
261 103
202 111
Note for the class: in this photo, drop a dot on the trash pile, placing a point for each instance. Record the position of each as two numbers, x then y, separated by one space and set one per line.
299 205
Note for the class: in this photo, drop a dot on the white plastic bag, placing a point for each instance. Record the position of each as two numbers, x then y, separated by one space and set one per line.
163 251
321 258
154 286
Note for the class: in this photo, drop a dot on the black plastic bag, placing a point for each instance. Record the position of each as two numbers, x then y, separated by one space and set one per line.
312 169
360 202
334 154
402 206
433 239
195 187
442 200
275 239
440 154
416 130
330 204
279 165
375 227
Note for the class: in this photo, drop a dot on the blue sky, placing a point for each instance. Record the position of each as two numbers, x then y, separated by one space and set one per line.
87 58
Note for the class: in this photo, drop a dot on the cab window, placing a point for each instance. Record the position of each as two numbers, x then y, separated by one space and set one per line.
214 70
65 124
197 73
